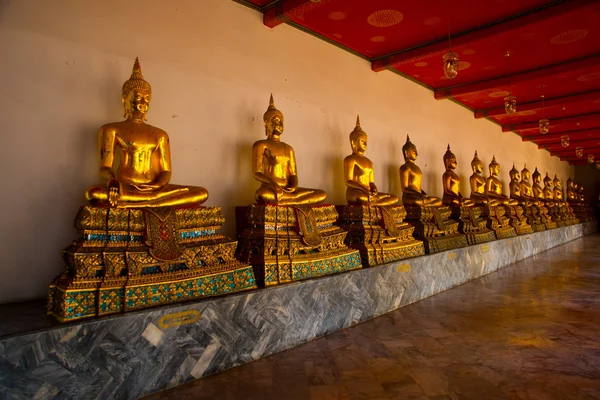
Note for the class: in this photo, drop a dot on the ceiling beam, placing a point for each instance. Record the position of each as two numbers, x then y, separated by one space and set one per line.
518 78
440 45
279 12
538 105
571 151
572 143
550 137
535 124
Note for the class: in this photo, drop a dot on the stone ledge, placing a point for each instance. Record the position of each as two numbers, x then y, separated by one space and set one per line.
165 347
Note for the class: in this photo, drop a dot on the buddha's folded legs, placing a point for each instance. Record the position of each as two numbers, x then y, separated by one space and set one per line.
170 195
300 196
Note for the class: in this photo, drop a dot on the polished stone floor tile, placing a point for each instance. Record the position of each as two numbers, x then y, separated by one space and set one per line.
527 332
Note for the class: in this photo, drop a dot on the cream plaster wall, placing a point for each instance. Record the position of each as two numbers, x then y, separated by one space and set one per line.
212 65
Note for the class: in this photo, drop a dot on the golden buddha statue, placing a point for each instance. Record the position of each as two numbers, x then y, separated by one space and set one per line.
514 185
547 190
557 192
541 201
142 177
493 186
572 195
451 183
538 191
410 180
274 166
478 182
359 174
526 188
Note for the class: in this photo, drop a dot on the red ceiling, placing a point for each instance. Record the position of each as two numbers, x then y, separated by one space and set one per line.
554 51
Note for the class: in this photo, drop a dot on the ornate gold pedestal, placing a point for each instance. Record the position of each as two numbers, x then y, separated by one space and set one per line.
533 216
472 225
379 233
518 220
498 222
435 229
557 214
546 218
286 244
128 259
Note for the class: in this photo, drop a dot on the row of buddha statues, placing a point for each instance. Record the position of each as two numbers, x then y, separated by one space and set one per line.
146 242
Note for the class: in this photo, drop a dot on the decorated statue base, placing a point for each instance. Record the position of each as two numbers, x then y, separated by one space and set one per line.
518 220
379 233
286 244
127 259
557 214
546 217
583 212
534 217
472 225
498 222
435 228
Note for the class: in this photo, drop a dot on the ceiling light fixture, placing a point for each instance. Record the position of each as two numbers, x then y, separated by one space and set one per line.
450 59
564 139
598 164
544 123
579 152
591 158
510 101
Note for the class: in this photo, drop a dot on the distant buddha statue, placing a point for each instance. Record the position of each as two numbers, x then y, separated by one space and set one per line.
141 179
478 182
572 195
557 192
581 194
526 188
410 180
538 191
359 174
493 186
451 183
548 192
274 166
514 186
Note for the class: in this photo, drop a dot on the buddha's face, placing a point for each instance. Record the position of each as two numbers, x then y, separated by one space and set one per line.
537 178
477 168
411 153
526 175
137 103
515 175
451 163
558 185
359 145
275 125
494 169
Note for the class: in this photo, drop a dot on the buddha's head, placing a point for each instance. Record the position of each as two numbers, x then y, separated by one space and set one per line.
476 164
525 174
548 181
449 159
514 174
557 182
273 119
570 183
358 139
136 94
494 167
409 150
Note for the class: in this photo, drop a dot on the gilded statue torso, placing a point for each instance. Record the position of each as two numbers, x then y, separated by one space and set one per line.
515 188
495 185
414 175
277 160
143 151
363 169
538 192
454 181
557 194
477 184
526 190
548 193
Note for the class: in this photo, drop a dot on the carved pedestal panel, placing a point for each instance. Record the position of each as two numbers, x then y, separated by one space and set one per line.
286 244
128 259
379 233
471 224
518 220
435 228
533 216
555 211
498 222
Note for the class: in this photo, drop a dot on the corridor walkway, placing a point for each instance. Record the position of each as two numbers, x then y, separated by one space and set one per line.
530 331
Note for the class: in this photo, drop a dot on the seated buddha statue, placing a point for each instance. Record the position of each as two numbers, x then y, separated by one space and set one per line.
477 182
141 178
547 190
494 187
274 166
514 185
526 188
538 191
410 180
557 192
451 183
572 195
359 174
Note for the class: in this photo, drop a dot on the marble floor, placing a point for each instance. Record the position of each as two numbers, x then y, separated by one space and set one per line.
529 331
